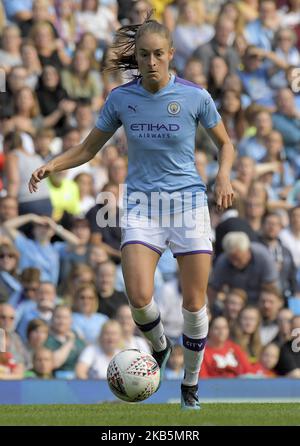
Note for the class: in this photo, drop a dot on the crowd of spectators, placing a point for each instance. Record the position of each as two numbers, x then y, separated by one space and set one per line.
63 304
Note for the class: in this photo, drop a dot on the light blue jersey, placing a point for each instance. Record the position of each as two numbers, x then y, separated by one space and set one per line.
160 129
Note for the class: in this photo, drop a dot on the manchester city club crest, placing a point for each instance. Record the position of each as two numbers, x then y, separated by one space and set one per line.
174 108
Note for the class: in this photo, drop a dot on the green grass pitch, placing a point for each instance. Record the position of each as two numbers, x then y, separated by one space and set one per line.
123 414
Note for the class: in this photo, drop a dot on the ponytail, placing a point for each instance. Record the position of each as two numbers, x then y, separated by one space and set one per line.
126 38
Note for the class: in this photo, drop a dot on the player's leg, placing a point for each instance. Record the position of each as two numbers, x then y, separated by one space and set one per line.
194 272
138 264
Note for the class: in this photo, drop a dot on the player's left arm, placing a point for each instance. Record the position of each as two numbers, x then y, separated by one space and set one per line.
223 189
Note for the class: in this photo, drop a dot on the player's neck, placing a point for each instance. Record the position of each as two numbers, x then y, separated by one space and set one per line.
154 87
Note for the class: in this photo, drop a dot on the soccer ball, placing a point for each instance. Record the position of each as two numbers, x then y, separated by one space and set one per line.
133 375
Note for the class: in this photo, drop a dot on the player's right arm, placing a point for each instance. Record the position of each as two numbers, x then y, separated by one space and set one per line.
77 155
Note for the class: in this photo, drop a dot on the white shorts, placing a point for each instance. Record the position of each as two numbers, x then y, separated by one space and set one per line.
184 233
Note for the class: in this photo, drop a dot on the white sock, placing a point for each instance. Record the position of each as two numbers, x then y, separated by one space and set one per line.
195 329
148 321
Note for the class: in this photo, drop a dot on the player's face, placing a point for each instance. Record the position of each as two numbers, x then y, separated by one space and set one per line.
153 54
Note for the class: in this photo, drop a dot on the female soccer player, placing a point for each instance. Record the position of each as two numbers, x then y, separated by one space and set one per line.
160 113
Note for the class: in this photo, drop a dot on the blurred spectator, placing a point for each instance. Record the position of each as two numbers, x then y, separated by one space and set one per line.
85 185
270 303
37 334
64 343
117 171
220 45
223 358
193 72
98 19
255 146
235 300
131 340
43 141
268 360
27 117
89 43
70 138
245 174
282 257
43 364
94 360
256 73
175 365
49 49
31 62
110 233
242 265
280 179
284 321
15 359
107 155
190 31
80 82
64 195
39 252
41 309
290 237
84 118
287 121
97 253
30 281
218 70
284 43
18 165
109 299
10 47
87 323
10 286
65 23
53 99
233 115
79 274
291 18
261 31
72 253
16 80
8 208
233 82
255 209
41 12
289 359
246 332
139 11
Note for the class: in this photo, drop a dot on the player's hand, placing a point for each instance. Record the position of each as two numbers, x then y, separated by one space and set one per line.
38 175
223 192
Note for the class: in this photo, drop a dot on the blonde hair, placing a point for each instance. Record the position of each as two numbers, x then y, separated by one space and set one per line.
37 27
35 109
236 241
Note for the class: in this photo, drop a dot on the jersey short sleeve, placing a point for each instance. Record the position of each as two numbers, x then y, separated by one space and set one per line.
108 120
208 114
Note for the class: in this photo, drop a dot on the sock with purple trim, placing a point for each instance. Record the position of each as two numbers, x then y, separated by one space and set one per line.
148 321
195 329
